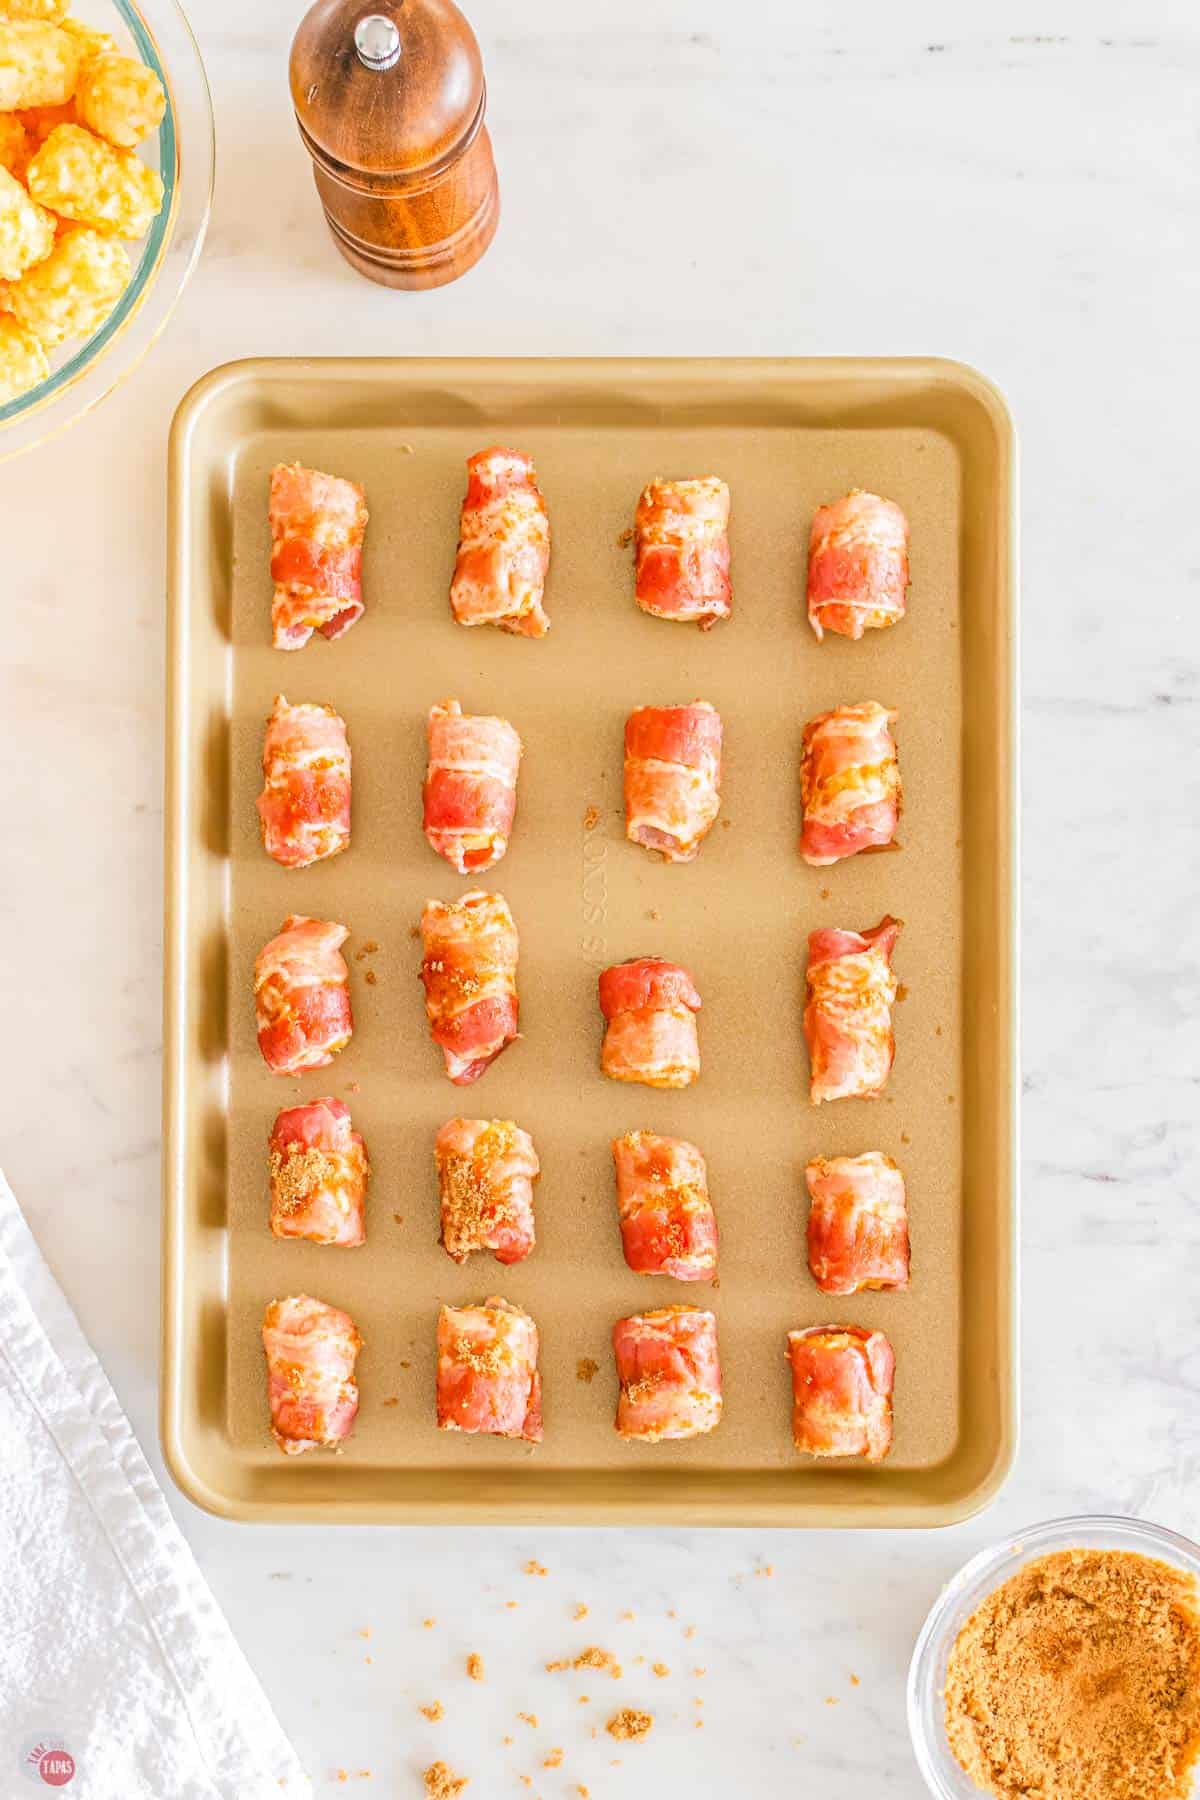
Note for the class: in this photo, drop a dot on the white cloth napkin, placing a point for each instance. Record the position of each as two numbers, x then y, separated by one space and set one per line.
119 1678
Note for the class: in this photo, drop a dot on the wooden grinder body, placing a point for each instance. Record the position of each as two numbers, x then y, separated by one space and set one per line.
401 156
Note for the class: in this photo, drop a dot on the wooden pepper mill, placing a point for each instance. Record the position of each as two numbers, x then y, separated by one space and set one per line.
390 98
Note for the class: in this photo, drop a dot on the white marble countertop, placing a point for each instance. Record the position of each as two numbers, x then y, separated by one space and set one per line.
1013 184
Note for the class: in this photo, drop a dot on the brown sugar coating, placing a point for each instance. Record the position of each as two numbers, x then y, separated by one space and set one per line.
1079 1679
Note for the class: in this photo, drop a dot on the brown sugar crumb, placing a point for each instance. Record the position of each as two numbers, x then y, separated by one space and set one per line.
725 824
475 1666
533 1567
354 1087
1079 1678
297 1174
368 948
626 538
654 914
826 893
902 990
586 1370
405 1365
433 1712
581 1611
591 818
441 1783
630 1724
659 1669
554 1760
595 1658
904 1138
392 1400
371 978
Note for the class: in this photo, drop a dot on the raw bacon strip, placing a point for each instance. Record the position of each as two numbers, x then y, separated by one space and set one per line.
650 1007
302 995
304 808
848 1018
503 546
670 1374
319 1169
471 787
849 783
317 527
841 1391
683 550
487 1373
486 1171
672 777
470 976
668 1226
311 1350
857 1223
857 565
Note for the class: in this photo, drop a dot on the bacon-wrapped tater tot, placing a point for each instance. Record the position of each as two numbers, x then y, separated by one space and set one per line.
304 808
318 523
857 565
302 995
650 1009
311 1350
668 1226
470 975
487 1373
670 1374
318 1167
503 546
683 550
857 1223
486 1171
841 1391
849 783
470 787
672 777
848 1017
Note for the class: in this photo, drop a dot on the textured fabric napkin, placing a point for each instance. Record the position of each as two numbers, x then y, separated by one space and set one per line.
119 1678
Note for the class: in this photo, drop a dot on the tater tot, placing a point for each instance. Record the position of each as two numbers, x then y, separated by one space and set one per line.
15 147
26 229
120 99
74 290
91 42
50 11
39 64
86 179
22 359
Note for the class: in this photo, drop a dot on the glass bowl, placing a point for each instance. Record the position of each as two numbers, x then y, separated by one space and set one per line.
944 1777
182 152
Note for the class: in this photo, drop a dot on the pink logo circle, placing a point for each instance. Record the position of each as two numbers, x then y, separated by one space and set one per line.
56 1768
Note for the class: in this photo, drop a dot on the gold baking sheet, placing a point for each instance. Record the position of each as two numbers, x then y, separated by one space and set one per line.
786 435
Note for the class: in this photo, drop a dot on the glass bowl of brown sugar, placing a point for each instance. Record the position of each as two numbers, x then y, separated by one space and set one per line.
1064 1662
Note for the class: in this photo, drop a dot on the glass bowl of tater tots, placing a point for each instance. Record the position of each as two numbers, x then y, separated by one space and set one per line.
106 167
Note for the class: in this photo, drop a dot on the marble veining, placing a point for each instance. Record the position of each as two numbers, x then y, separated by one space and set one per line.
1011 184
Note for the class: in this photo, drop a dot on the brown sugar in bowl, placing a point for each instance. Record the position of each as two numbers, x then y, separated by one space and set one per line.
1064 1662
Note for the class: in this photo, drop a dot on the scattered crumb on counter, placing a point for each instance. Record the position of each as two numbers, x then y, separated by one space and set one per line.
433 1712
429 1624
689 1631
364 1631
407 450
441 1783
343 1774
627 1614
583 1792
831 1699
529 1719
595 1658
554 1760
904 1138
639 1659
659 1669
854 1681
654 914
629 1724
475 1666
671 1613
584 1699
581 1611
366 1659
405 1365
591 818
765 1569
699 1724
512 1605
586 1370
509 1740
700 1671
533 1567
